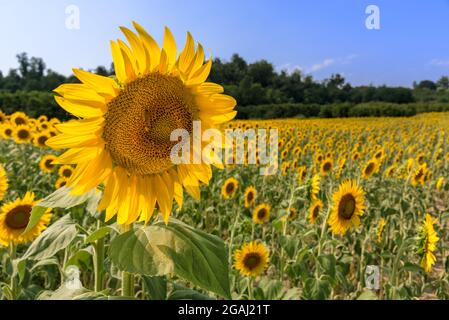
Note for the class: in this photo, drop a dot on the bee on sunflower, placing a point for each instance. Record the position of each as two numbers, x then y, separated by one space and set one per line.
348 206
427 243
229 188
261 213
250 196
14 218
251 259
122 141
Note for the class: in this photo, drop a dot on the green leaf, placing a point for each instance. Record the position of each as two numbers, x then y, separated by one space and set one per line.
177 248
19 268
98 234
56 237
156 287
183 293
367 295
62 293
82 259
61 198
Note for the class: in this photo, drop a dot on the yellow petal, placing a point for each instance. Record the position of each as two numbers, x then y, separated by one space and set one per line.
119 63
150 45
169 46
80 109
137 49
101 84
187 55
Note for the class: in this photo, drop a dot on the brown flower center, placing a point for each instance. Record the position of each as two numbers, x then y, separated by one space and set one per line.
18 217
140 119
252 260
346 207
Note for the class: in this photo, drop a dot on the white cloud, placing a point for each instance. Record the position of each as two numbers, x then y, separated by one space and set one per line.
319 65
440 62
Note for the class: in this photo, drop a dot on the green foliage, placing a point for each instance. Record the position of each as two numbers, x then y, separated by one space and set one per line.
161 249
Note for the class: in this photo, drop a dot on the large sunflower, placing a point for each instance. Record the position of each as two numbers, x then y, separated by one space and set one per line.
252 259
123 139
14 218
348 206
3 182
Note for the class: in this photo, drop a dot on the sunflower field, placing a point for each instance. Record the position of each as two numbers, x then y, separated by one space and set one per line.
93 208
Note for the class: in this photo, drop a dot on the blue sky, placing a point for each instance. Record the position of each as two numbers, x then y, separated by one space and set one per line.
320 37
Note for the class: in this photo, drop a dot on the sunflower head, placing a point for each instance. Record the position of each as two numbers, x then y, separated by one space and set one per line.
292 214
261 213
3 182
314 187
427 243
440 183
22 134
6 131
348 206
19 118
252 259
65 172
229 188
314 210
46 163
371 167
123 139
250 196
14 218
40 139
61 182
326 166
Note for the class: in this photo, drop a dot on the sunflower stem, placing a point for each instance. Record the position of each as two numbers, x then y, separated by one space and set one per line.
98 262
250 288
127 278
13 285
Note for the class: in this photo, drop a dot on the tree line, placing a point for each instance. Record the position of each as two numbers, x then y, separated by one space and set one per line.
261 91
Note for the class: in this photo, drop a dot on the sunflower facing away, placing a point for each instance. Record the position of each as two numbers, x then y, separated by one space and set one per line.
314 187
428 240
3 182
14 217
314 210
250 196
252 259
261 213
292 214
229 188
123 137
348 206
46 163
380 230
